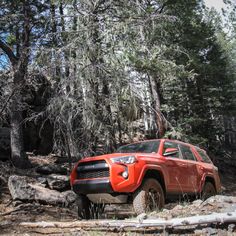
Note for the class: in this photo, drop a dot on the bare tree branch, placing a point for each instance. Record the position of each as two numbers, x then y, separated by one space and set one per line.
12 57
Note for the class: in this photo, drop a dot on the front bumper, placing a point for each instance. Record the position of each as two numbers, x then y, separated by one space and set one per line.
100 175
92 186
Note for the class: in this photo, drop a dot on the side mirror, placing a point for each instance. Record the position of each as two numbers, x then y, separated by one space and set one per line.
170 152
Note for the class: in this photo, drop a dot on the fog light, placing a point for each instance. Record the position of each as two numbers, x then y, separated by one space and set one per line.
125 174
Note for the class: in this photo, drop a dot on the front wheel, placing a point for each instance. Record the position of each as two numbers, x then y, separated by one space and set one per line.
88 210
84 206
149 197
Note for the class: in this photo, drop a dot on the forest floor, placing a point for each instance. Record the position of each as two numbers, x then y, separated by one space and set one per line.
13 213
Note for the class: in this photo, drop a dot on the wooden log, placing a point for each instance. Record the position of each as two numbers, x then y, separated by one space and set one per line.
193 220
121 224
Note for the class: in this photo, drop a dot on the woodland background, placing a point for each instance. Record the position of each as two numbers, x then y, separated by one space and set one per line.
82 77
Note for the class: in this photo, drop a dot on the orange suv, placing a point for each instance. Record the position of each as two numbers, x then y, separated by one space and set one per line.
145 174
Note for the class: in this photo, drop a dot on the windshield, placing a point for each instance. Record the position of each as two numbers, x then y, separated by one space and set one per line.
144 147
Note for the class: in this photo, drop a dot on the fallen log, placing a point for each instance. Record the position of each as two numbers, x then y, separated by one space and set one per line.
148 223
193 220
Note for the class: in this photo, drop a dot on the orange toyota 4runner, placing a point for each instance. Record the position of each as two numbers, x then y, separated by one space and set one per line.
144 173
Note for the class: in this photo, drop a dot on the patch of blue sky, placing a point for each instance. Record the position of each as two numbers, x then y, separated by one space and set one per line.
217 4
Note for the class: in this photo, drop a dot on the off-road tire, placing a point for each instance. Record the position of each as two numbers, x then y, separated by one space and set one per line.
149 197
208 191
84 206
88 210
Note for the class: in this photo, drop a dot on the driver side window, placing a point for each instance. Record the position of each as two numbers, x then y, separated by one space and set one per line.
168 144
187 153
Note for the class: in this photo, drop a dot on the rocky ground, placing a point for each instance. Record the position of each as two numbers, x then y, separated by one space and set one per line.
44 195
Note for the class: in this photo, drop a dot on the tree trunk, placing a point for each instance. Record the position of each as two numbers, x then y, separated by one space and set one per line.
102 104
64 40
108 119
18 155
55 57
159 119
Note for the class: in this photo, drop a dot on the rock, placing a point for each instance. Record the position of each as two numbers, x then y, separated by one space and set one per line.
43 181
38 132
219 202
230 208
231 228
197 202
58 182
70 196
165 211
27 190
209 231
51 169
17 203
142 217
177 208
220 199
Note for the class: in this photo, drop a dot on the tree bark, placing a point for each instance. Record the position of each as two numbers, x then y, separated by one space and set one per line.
18 155
19 65
55 57
159 119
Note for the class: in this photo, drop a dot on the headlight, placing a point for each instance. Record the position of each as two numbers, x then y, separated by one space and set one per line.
124 160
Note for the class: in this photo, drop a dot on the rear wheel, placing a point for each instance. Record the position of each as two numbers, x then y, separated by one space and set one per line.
208 191
149 197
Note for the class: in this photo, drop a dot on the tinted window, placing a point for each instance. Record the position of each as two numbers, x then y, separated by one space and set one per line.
144 147
187 153
204 156
168 144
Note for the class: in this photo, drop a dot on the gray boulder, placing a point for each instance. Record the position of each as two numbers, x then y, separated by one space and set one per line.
28 190
51 169
58 182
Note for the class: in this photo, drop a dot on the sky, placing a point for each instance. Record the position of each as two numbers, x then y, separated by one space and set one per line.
217 4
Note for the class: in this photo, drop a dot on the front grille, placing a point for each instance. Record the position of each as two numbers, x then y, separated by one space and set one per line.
93 174
93 169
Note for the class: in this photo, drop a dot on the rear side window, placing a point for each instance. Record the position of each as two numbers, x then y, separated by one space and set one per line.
204 156
168 144
187 153
144 147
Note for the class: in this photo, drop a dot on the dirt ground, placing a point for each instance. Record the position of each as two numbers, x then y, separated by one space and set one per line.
12 213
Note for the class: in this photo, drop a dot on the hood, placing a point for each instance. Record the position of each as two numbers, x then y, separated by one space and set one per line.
112 155
107 156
